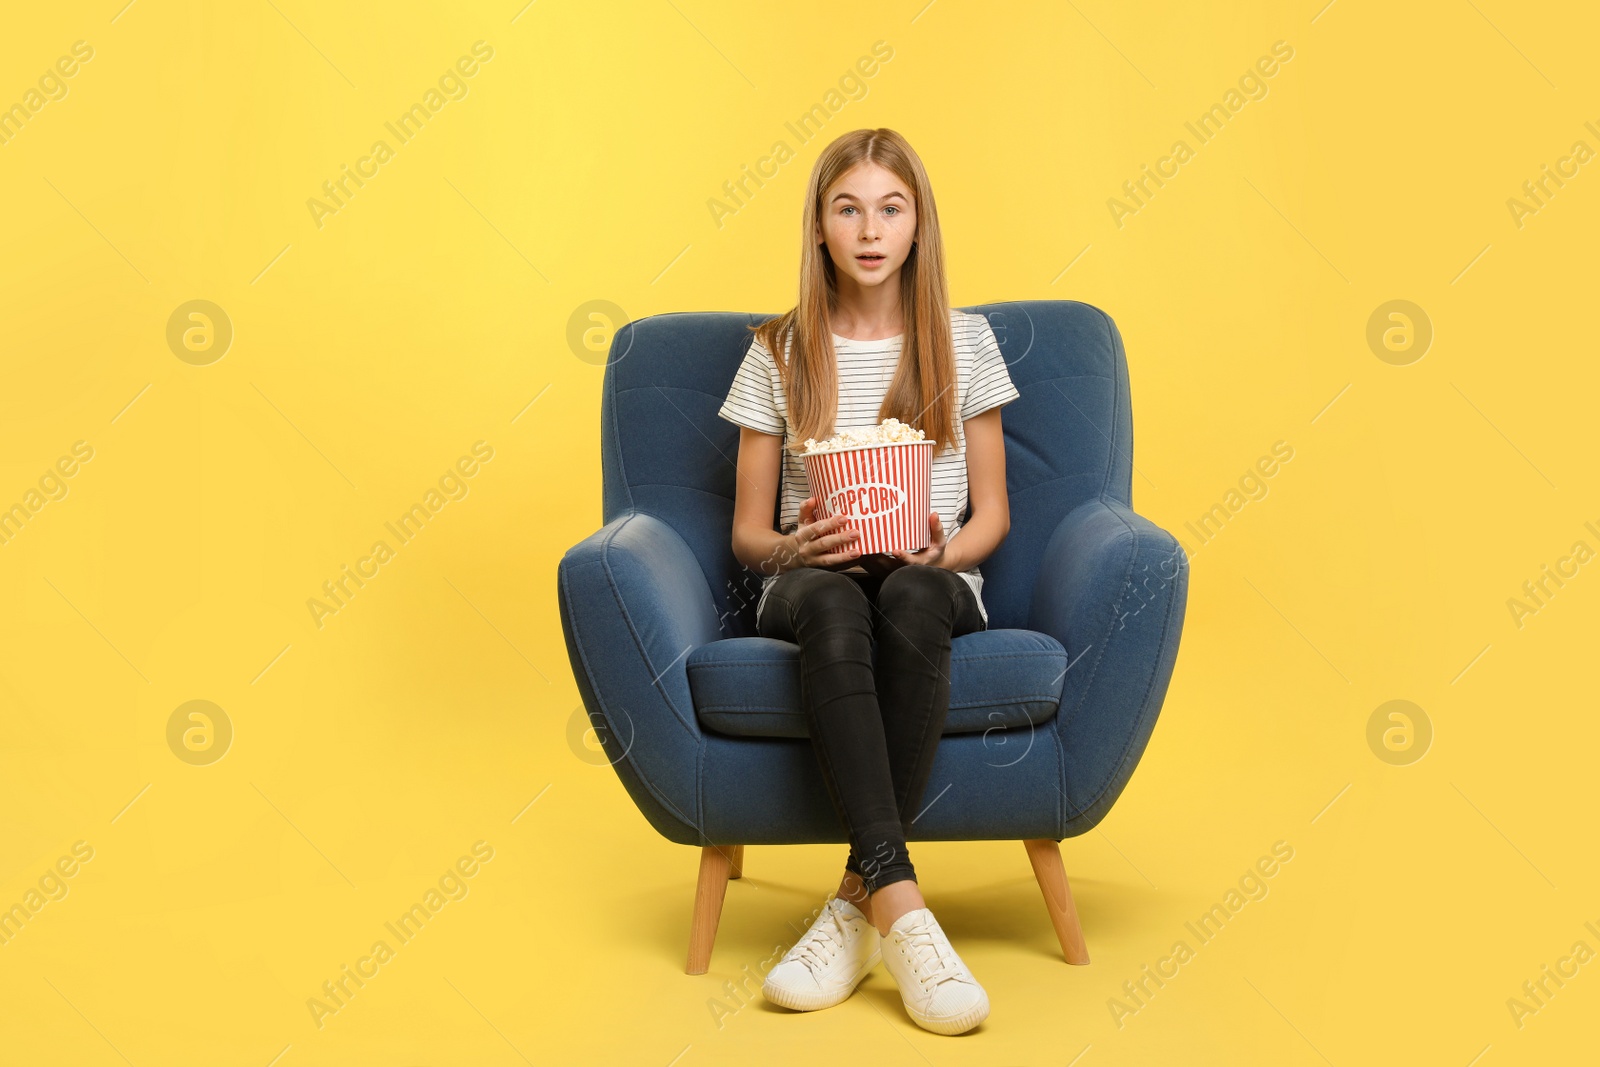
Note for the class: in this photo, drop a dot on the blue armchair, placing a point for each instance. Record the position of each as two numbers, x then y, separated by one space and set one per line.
1050 708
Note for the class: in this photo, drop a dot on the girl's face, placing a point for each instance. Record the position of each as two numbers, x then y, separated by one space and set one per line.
869 219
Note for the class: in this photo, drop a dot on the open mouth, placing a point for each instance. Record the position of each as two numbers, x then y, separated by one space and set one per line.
870 257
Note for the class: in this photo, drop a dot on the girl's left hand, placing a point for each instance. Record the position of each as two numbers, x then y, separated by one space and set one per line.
931 555
881 564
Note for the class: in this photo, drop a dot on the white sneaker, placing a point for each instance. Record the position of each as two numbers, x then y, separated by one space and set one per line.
938 991
828 962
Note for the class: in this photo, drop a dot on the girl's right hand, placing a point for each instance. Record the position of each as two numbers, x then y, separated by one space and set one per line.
823 543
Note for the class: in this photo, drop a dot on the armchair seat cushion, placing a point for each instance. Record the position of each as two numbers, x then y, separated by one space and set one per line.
750 686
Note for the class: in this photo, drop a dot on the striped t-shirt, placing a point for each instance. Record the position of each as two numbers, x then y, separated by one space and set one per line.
757 400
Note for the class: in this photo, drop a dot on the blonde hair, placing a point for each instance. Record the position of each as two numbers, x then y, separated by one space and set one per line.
922 390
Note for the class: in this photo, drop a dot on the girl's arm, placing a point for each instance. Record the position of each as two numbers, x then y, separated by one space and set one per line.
755 496
986 490
755 543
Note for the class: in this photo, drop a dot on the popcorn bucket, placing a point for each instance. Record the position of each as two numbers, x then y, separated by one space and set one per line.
883 491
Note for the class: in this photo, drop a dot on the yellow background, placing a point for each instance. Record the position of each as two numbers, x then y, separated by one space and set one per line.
434 710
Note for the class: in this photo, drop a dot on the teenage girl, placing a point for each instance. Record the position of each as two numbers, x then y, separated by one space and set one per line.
873 337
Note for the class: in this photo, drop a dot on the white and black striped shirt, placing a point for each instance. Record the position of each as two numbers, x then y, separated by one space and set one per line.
757 400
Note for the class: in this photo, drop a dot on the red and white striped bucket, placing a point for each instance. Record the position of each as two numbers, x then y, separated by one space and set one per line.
883 491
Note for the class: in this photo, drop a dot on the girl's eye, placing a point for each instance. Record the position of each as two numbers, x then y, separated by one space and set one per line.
890 208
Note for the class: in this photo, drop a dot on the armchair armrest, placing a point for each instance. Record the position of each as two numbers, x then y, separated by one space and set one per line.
634 602
1112 588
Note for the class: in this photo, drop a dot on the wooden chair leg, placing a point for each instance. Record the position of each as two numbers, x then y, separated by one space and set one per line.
1045 855
738 862
712 887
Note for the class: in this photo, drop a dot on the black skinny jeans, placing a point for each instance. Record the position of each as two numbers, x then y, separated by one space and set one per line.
874 730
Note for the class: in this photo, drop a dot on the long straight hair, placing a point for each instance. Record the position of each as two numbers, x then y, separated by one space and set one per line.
921 393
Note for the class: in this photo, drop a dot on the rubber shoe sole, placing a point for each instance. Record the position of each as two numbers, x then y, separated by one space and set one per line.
959 1024
799 1001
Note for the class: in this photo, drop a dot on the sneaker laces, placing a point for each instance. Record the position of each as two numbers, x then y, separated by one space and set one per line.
932 956
822 941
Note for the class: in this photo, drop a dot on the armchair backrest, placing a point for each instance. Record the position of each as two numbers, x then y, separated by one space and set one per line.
664 451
